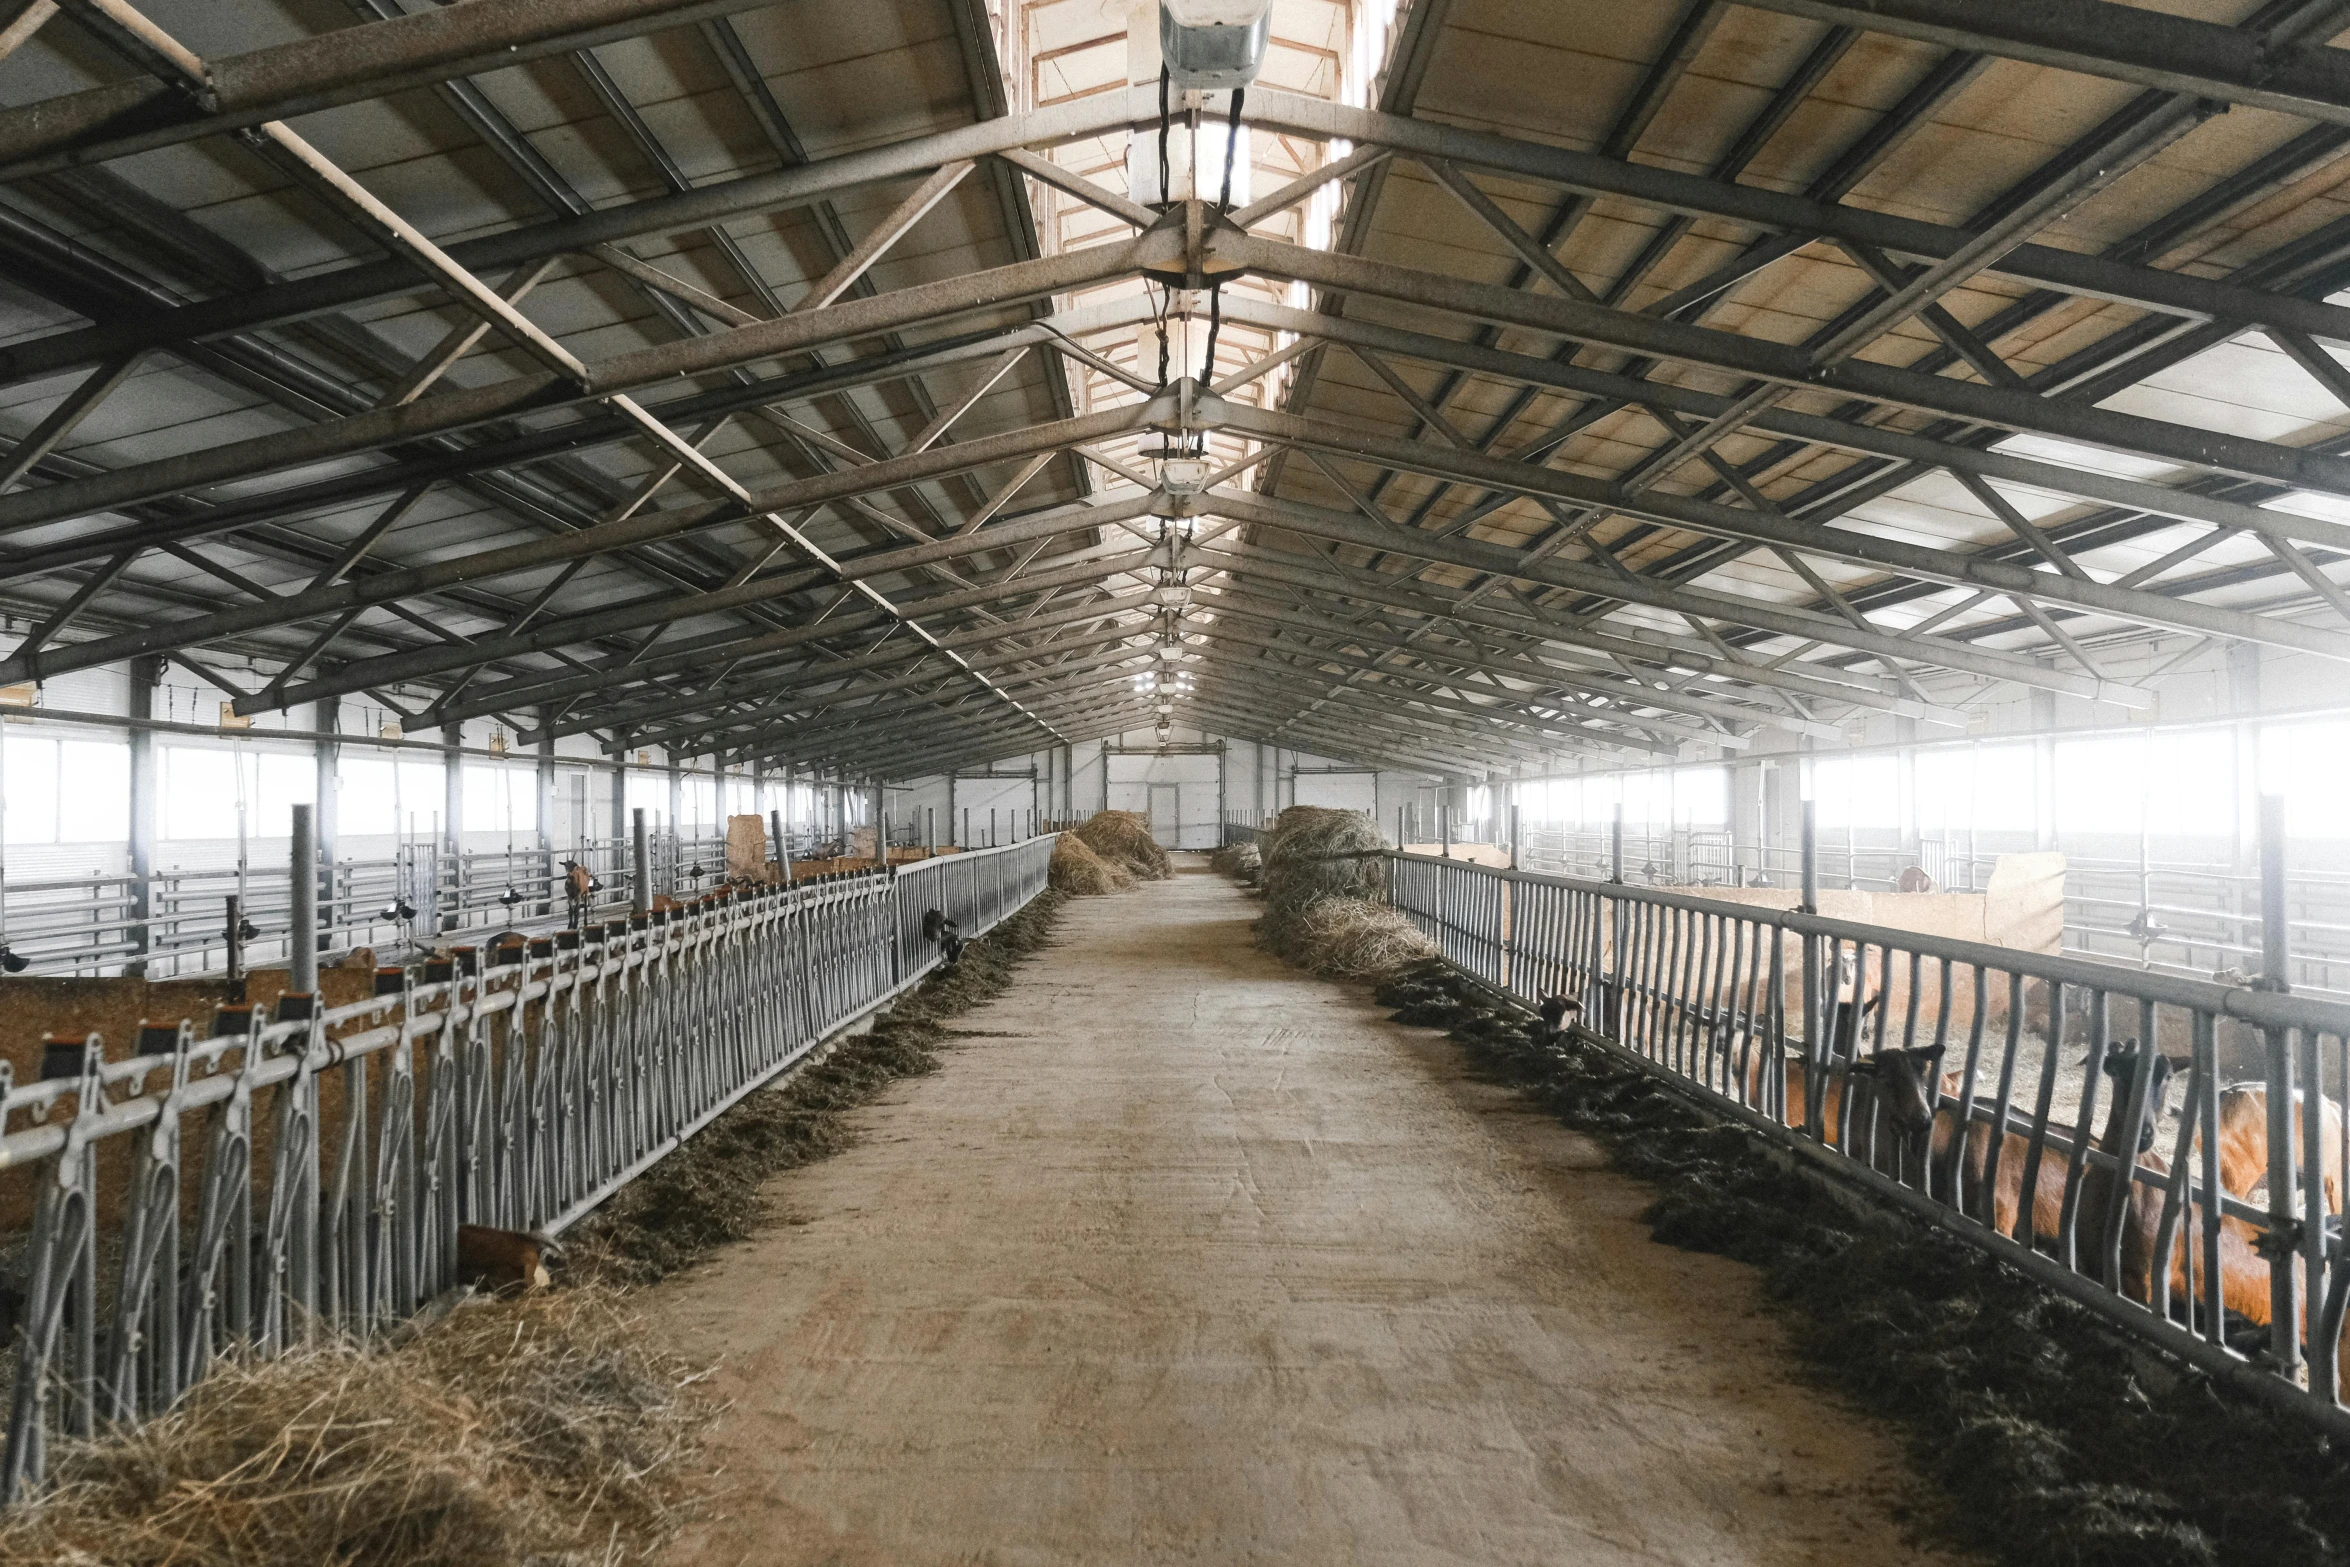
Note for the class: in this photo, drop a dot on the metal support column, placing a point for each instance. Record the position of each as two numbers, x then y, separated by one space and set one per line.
145 811
447 901
2284 1218
640 896
546 791
328 823
302 882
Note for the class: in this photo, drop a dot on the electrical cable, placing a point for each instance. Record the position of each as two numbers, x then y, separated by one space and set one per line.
1223 205
1231 142
1207 369
1166 121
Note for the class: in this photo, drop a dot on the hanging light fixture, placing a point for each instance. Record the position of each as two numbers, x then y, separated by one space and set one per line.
1213 45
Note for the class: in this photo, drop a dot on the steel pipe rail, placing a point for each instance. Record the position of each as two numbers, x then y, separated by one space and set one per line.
516 1087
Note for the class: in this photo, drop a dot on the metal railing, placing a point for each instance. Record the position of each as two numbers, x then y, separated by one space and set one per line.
238 1184
96 924
1784 1020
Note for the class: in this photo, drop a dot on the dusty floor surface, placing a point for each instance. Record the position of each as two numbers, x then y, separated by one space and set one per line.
1186 1258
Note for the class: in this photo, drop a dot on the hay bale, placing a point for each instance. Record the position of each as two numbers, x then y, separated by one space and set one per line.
541 1429
1124 838
746 847
1079 872
1346 938
1318 853
1326 897
1240 861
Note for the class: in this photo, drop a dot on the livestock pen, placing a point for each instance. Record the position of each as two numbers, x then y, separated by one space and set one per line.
1784 1021
316 1166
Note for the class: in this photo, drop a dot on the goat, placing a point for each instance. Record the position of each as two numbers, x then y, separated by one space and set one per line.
2243 1140
945 933
1889 1091
505 1259
1557 1014
1998 1184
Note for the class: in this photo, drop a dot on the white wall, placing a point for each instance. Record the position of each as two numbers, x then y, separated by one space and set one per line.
1197 781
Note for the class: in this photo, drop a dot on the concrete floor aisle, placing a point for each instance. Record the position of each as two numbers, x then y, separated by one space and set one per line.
1183 1257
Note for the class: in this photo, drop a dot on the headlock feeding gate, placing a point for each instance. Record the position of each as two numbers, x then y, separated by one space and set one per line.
2229 1234
204 1193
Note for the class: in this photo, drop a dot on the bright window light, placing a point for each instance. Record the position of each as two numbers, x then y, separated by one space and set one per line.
1861 792
501 799
382 795
94 791
205 788
2306 763
31 782
649 793
1701 797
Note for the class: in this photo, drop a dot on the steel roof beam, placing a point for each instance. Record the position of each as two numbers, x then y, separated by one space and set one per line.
1511 708
504 451
2124 43
1819 430
448 412
799 185
799 680
1781 620
2172 293
556 634
645 527
1680 653
1279 680
1443 666
878 707
551 686
1747 525
1790 365
1527 664
348 65
1653 185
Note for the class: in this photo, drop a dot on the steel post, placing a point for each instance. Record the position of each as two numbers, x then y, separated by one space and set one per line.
640 896
302 881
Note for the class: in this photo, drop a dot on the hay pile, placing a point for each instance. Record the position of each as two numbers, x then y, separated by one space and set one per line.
1240 861
1124 838
1326 897
1345 938
707 1193
2053 1442
545 1429
1078 872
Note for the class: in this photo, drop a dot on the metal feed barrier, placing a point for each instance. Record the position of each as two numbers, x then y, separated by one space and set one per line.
205 1193
1739 1007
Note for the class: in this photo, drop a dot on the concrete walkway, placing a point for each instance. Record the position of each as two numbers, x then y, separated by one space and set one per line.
1183 1257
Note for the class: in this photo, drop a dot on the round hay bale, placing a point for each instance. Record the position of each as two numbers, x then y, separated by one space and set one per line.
1079 872
1326 897
1347 938
1124 838
1317 853
1241 861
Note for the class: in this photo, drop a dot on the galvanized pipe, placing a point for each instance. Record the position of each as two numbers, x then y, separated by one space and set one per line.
640 894
302 932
